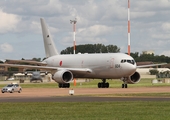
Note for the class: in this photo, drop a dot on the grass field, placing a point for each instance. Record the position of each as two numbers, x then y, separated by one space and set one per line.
92 84
136 110
85 111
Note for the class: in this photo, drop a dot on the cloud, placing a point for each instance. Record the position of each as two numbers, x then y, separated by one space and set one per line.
5 47
95 30
166 53
8 22
97 22
166 26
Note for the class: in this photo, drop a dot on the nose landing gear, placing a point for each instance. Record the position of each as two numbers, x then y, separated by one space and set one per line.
124 85
103 84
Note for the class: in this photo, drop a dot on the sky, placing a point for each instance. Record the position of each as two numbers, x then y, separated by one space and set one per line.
98 21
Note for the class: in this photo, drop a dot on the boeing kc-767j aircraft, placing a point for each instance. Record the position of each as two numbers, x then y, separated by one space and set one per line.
65 68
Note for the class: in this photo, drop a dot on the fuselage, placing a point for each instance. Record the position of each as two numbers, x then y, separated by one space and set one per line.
105 65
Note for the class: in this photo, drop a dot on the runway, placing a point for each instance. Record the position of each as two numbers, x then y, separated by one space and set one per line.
82 95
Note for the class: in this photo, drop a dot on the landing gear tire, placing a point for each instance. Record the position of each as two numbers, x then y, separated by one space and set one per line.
103 85
124 86
99 85
64 85
107 85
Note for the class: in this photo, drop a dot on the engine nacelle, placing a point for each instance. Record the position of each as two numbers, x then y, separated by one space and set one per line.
135 78
63 76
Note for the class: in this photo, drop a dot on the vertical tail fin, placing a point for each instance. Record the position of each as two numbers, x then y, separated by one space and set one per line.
49 45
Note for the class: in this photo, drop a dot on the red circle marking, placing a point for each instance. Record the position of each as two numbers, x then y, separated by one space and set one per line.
61 63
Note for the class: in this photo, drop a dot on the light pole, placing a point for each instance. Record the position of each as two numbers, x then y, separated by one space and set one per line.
74 39
74 33
128 27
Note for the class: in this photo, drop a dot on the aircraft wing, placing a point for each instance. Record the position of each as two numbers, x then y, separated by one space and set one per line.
48 68
151 65
25 61
77 70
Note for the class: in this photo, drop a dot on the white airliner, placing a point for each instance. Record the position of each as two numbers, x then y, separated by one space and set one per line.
65 68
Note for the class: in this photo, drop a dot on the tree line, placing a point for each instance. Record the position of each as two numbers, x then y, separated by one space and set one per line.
92 48
150 57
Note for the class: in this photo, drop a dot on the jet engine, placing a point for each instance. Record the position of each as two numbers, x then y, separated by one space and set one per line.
63 76
135 78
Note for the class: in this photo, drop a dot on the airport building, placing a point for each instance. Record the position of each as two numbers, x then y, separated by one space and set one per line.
148 52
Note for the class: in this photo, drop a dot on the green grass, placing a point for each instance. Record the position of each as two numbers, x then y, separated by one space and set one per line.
93 84
86 111
136 110
164 94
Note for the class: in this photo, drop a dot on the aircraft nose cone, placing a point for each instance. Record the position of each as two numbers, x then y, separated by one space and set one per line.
132 68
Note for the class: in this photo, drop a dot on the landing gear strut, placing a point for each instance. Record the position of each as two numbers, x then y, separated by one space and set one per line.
64 85
103 84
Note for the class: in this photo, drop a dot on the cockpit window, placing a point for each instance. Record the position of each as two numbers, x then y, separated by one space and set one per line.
133 62
128 61
123 61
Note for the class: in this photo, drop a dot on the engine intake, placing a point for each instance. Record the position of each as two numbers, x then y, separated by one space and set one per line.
63 76
135 78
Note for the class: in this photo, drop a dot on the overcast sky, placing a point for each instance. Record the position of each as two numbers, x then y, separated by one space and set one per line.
98 21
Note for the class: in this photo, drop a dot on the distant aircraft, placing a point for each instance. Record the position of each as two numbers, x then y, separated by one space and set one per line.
95 66
36 76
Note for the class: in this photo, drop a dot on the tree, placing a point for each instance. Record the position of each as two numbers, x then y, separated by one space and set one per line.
36 59
153 71
92 48
134 55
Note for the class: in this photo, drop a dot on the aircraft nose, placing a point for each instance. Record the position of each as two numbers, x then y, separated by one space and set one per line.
130 69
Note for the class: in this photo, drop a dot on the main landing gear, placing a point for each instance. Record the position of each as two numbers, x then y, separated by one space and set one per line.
103 84
64 85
